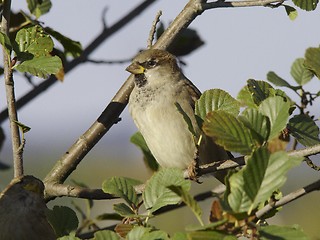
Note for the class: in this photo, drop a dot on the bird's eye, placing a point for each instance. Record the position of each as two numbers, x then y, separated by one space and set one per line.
151 63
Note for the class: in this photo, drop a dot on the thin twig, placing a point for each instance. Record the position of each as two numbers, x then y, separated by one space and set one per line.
153 29
10 95
289 198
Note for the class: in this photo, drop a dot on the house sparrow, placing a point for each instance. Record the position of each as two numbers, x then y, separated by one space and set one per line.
159 85
22 211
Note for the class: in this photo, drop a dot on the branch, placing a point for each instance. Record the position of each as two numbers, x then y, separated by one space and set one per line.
10 95
153 29
105 34
289 198
64 190
250 3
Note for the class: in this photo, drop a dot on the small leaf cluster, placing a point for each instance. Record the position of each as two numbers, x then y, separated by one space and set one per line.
33 45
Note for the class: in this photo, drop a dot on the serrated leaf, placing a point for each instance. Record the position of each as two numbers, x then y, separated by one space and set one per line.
41 66
300 73
254 174
105 235
179 236
70 46
275 176
39 7
312 61
308 5
258 124
282 232
277 110
228 132
260 90
123 210
137 232
63 220
237 197
157 194
69 238
33 40
278 81
121 187
188 200
291 12
216 99
210 235
245 98
245 194
138 140
304 129
5 42
155 235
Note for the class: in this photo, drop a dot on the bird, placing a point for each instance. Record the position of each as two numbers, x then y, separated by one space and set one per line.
22 211
159 86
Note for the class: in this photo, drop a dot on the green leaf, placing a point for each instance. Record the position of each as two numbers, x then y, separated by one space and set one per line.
63 220
69 237
278 81
5 42
70 46
138 140
300 73
228 132
279 163
254 174
282 232
105 235
237 197
260 90
157 194
33 40
308 5
188 200
258 124
155 235
179 236
186 118
210 235
304 129
41 66
245 98
216 99
137 233
123 210
277 110
39 7
24 128
312 61
256 183
291 12
123 188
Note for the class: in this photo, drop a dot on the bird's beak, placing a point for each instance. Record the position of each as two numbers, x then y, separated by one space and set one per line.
135 68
